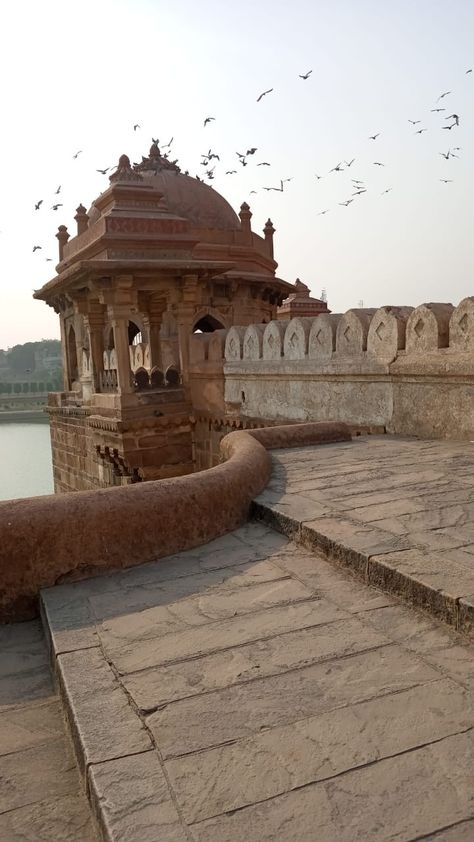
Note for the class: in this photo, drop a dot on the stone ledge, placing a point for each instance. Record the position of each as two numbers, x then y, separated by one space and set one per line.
386 562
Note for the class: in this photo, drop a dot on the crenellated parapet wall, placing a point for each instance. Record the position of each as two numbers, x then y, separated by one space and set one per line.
410 370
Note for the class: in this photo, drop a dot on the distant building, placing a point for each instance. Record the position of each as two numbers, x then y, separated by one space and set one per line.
300 303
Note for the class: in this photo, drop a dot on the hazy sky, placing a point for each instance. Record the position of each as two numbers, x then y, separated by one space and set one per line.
78 75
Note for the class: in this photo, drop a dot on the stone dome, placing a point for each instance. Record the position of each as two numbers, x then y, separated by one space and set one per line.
184 195
195 200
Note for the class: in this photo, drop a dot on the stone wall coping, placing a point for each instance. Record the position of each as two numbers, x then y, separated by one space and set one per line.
53 539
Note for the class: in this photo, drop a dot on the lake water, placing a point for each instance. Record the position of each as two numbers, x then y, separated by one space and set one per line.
25 460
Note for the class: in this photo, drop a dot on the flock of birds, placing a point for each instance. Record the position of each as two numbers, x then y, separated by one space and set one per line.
358 186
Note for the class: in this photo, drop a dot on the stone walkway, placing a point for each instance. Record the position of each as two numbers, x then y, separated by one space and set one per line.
41 797
399 512
251 690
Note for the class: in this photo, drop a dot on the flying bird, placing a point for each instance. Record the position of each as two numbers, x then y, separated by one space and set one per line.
414 122
374 136
252 191
55 207
136 126
446 180
167 145
48 259
323 212
450 127
360 192
454 117
441 96
104 171
436 110
264 94
319 177
58 190
386 191
349 163
38 204
263 164
356 181
378 164
468 71
208 120
277 189
337 168
230 172
35 248
346 203
420 131
446 154
305 75
77 153
251 151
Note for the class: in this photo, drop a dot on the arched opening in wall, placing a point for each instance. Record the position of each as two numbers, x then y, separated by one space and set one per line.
207 324
72 356
142 381
156 378
134 334
172 376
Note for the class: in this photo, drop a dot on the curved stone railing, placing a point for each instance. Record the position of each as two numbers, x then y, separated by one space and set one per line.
46 540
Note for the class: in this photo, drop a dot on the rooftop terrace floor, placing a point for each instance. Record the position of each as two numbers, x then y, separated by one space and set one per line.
250 688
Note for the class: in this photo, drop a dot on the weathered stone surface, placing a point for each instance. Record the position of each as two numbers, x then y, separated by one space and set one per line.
63 819
203 585
394 799
28 775
280 759
132 648
160 685
200 722
102 722
132 800
68 619
29 725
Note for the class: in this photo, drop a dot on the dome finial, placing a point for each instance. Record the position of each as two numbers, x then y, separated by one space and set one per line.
124 171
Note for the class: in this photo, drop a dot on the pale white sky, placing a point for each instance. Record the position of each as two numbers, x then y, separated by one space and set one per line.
78 74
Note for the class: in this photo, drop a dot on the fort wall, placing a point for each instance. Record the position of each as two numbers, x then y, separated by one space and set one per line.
407 370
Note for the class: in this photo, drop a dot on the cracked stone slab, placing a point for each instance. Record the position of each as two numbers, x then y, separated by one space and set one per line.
65 819
159 685
133 802
240 711
393 799
151 594
230 777
102 722
132 648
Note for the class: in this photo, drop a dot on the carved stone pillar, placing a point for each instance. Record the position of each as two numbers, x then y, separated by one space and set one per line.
152 322
94 323
186 310
122 351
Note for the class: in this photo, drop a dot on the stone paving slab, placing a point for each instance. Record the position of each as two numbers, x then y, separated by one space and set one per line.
336 713
364 804
407 532
40 791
